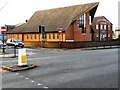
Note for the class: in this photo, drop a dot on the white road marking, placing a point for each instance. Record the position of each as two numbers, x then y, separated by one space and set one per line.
45 87
17 73
26 78
22 76
32 81
39 84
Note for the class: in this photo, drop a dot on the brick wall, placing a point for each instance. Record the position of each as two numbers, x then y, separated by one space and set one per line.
75 33
100 31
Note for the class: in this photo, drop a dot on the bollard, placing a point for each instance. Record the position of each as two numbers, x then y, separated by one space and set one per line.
22 61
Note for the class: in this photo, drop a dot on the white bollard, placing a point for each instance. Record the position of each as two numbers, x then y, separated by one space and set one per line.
22 59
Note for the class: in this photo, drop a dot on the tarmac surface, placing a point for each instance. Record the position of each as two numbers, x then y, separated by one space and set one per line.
63 68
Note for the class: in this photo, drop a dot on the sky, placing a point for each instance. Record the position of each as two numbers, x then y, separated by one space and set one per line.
13 12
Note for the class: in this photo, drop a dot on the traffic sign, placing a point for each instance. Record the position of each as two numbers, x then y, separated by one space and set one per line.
3 29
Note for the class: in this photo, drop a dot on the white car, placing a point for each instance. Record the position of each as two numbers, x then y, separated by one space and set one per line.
14 42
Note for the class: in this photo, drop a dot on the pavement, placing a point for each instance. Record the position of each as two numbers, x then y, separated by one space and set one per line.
101 47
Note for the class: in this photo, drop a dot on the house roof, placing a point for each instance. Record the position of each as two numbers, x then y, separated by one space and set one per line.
96 19
53 19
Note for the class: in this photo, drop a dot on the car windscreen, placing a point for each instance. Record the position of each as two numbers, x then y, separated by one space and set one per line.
16 40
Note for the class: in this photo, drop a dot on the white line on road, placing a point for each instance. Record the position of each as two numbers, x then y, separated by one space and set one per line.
39 84
45 87
32 81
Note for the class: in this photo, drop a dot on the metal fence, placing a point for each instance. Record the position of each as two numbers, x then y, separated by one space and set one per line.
8 51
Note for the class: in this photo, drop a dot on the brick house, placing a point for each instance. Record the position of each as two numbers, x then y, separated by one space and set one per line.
102 29
66 24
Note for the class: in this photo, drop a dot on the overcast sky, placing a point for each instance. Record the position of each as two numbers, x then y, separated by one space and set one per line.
13 12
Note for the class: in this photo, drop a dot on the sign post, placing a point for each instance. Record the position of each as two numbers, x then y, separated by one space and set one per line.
3 30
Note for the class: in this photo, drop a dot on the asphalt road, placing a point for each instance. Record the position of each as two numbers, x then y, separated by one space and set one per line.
65 69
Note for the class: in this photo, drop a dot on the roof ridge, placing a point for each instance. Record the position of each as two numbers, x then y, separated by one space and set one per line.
67 6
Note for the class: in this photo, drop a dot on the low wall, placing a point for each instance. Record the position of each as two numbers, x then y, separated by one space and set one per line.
70 44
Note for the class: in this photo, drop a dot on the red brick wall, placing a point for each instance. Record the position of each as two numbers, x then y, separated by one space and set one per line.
99 31
69 34
75 33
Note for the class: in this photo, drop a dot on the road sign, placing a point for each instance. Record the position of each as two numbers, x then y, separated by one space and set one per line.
3 29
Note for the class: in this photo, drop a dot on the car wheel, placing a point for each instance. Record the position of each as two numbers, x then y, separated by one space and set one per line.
22 46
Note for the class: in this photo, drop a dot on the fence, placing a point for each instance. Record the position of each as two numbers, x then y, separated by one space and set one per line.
10 51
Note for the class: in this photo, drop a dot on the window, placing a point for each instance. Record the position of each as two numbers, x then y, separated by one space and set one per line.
90 20
104 27
35 36
49 36
101 26
58 36
18 36
109 35
104 35
31 36
81 22
97 35
108 27
53 36
97 26
27 36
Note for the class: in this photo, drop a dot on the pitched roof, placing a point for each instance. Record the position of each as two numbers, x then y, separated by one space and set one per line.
100 17
54 18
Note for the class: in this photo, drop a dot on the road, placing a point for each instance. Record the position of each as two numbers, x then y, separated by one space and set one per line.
74 68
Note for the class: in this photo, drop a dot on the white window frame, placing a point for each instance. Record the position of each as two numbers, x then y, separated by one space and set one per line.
105 28
96 26
108 27
97 35
101 27
109 35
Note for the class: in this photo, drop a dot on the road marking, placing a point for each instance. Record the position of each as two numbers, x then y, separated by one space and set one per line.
45 87
32 81
17 73
26 78
22 76
39 84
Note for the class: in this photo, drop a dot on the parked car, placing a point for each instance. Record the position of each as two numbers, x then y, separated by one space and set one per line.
1 44
15 42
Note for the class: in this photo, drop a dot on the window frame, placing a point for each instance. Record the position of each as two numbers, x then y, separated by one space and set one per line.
97 26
